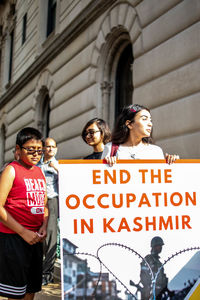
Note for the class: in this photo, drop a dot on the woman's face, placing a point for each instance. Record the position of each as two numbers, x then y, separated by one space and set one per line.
94 136
142 124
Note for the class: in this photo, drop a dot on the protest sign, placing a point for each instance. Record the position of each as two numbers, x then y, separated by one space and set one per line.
111 219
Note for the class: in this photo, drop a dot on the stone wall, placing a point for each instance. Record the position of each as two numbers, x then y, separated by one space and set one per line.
73 63
166 73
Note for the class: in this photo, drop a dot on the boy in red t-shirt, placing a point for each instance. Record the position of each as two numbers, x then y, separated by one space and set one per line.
23 219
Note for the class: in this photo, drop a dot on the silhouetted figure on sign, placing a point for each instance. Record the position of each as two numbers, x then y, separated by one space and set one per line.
146 275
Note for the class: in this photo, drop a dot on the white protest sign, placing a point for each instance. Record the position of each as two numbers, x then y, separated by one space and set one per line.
112 213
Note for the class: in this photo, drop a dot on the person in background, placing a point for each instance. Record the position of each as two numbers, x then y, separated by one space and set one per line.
131 137
49 166
96 134
23 223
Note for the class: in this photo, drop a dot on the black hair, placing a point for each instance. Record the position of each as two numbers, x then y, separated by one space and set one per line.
28 133
120 132
103 127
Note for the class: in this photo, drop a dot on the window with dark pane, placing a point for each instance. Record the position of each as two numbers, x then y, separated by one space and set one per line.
51 19
11 55
24 26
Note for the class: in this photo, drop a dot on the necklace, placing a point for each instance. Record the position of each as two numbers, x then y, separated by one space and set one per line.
135 150
131 152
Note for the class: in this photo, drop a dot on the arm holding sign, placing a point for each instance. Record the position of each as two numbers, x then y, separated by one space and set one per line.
171 158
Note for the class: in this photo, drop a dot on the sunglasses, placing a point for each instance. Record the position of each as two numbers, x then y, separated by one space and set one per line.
33 151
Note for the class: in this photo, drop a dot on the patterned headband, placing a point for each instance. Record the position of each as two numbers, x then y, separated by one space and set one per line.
132 109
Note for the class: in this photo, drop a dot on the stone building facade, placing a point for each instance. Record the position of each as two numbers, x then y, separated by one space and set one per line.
63 62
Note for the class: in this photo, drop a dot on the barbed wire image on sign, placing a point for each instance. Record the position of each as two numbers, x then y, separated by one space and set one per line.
111 272
90 282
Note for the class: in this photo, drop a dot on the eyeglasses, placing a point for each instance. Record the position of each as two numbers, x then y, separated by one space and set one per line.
33 151
90 132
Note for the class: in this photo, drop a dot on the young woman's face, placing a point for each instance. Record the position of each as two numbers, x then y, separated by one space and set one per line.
94 136
142 124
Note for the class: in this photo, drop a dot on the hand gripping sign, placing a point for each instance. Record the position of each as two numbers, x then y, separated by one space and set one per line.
111 215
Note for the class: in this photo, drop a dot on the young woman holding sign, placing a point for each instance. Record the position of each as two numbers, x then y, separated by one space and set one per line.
131 137
96 134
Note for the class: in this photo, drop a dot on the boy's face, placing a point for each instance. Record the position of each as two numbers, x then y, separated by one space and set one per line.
27 154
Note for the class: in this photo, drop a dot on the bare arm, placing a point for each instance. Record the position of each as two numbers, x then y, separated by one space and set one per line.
111 160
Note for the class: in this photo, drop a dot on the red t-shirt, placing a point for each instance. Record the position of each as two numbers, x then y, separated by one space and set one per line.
25 202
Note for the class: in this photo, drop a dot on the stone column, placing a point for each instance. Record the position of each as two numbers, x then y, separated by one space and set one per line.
106 92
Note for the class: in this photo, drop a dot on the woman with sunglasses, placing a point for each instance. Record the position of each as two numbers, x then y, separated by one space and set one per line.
96 134
131 137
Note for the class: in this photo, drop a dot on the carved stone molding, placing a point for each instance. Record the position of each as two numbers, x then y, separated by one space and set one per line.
106 86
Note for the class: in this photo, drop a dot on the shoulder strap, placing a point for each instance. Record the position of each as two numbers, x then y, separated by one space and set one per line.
114 149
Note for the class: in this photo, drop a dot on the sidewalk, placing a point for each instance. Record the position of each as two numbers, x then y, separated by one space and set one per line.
49 292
